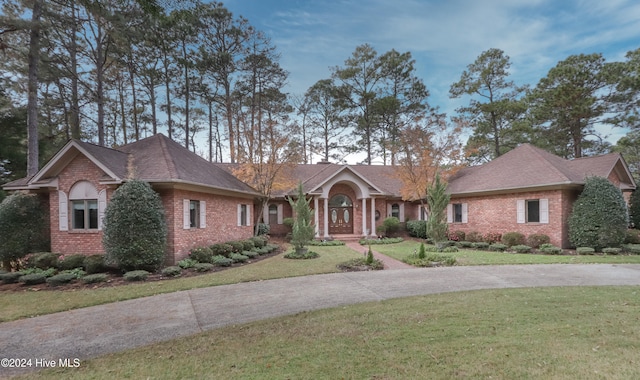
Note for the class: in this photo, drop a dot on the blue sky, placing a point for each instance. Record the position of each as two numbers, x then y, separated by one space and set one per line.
442 36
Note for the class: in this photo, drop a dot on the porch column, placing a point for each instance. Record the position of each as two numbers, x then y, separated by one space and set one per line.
326 217
316 220
373 217
364 217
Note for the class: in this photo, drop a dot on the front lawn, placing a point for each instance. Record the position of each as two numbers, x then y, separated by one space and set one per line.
407 248
544 333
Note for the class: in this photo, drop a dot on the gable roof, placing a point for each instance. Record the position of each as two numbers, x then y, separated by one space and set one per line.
528 167
156 159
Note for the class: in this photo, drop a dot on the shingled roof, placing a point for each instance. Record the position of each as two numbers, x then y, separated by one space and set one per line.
527 167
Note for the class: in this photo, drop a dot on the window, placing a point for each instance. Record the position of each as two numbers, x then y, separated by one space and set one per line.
194 214
273 214
395 210
87 207
533 211
457 213
244 215
85 214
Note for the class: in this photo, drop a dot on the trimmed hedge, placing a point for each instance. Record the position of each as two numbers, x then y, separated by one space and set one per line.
585 251
513 238
521 248
172 271
136 275
61 279
94 264
95 278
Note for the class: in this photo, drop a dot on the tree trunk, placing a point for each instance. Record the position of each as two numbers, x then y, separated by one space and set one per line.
33 152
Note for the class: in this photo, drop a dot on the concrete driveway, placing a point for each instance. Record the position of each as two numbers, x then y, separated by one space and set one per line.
98 330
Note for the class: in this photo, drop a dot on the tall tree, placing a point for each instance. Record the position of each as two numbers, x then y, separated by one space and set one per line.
566 105
495 110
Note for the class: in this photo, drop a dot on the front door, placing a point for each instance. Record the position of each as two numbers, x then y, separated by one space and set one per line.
340 215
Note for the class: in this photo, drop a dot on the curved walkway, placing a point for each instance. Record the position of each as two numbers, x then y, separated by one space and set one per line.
98 330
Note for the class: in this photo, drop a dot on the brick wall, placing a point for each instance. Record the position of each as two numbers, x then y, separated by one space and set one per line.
498 214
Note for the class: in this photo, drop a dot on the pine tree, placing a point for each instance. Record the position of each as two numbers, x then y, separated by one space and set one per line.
303 229
438 199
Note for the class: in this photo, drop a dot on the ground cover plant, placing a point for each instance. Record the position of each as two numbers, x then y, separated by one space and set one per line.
553 333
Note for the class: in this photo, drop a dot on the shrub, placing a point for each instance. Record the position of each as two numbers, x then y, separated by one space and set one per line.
521 248
201 254
94 264
497 247
10 277
633 249
612 251
301 256
238 258
303 230
464 244
423 252
634 210
438 199
536 240
272 247
247 245
236 247
288 222
250 254
450 249
599 218
203 267
480 245
513 238
326 243
71 262
263 229
187 263
221 261
263 251
172 271
381 241
432 259
23 227
78 272
44 260
417 228
359 264
135 229
95 278
550 249
632 236
33 278
136 275
491 237
223 249
259 241
474 237
585 251
456 236
391 225
61 279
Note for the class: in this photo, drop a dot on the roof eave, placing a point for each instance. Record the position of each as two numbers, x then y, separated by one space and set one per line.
546 187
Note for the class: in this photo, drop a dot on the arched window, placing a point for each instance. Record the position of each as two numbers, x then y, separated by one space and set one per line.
84 205
340 200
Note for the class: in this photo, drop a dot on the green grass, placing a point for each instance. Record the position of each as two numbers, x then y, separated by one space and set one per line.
16 305
405 249
546 333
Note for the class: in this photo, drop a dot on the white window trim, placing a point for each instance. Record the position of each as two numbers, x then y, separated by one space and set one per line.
248 220
465 213
521 211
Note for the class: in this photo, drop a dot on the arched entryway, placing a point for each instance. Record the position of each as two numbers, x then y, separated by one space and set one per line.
340 215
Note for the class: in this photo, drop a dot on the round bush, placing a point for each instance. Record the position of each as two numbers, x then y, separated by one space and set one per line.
536 240
94 264
513 238
136 275
221 261
33 278
612 251
585 251
10 277
201 254
23 227
43 260
203 267
521 248
61 279
95 278
599 218
238 258
497 247
173 271
135 230
417 228
71 262
259 241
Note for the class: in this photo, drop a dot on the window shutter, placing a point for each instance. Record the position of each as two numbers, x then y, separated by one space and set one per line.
249 221
102 206
520 210
239 215
280 213
389 210
265 214
63 211
465 213
449 213
401 212
186 216
544 211
203 214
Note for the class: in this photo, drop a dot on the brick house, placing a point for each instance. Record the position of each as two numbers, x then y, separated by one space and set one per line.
528 190
203 203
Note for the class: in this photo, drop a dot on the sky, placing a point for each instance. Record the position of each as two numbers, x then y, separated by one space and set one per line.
443 37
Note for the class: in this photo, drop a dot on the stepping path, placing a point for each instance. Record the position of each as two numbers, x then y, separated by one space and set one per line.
389 262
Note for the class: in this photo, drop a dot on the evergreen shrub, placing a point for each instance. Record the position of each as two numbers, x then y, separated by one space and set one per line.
513 238
536 240
417 228
135 229
599 218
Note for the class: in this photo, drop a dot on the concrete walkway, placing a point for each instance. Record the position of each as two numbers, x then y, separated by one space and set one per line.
98 330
